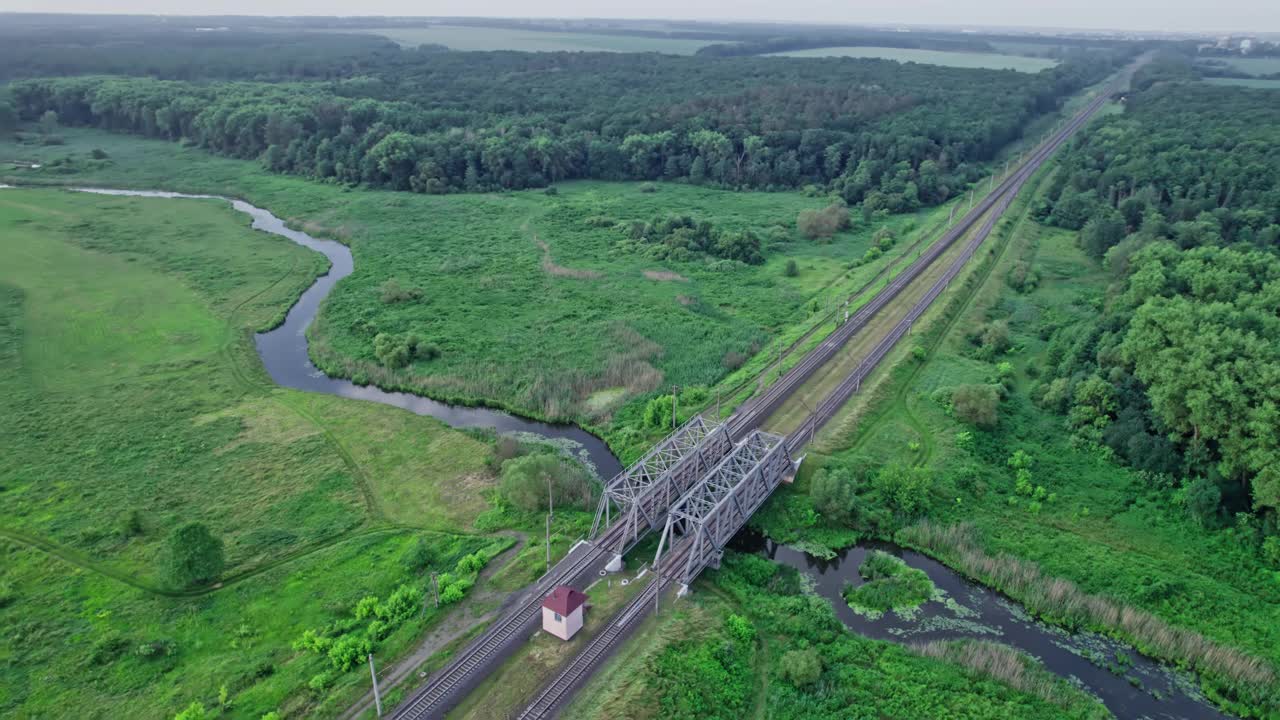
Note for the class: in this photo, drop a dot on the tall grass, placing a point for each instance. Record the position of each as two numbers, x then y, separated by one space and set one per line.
1247 678
1013 667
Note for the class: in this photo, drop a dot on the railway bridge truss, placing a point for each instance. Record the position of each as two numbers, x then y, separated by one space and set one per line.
637 499
708 516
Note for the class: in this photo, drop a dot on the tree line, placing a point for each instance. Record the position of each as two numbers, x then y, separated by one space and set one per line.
1180 373
888 135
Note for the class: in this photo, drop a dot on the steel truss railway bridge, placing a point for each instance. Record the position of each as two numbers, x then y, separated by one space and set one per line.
702 483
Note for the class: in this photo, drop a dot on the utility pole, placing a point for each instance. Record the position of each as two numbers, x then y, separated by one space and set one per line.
551 507
548 543
951 216
971 198
377 698
717 402
674 389
435 587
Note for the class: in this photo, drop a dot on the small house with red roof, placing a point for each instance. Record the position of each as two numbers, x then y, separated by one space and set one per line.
562 612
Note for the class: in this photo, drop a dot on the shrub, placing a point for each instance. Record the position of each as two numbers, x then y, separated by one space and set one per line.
791 269
801 667
733 360
526 480
194 711
131 524
193 556
905 489
890 585
740 628
976 404
417 557
98 154
348 651
833 492
648 187
1271 551
397 351
390 292
823 223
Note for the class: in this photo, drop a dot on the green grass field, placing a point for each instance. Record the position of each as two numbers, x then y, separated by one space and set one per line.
135 402
533 307
462 37
992 61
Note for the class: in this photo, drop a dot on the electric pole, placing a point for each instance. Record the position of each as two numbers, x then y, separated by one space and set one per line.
435 587
674 389
548 543
377 698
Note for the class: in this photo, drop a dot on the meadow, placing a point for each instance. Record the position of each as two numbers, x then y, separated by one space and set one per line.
1103 529
463 37
535 301
991 61
751 642
137 404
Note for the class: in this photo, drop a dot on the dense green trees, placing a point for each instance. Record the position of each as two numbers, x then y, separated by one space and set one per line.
888 135
1180 374
193 556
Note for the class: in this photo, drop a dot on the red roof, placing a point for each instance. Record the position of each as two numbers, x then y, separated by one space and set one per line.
564 600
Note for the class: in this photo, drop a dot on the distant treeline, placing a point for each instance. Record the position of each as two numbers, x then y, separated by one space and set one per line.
888 135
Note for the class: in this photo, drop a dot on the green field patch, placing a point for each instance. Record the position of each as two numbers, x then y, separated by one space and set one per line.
1257 83
991 61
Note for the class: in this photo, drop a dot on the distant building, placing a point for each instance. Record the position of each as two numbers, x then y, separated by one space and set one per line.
1246 45
562 612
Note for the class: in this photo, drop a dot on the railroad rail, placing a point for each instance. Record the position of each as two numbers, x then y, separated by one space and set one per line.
464 672
742 424
757 410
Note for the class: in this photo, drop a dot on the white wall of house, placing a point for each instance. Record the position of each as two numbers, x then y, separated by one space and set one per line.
562 626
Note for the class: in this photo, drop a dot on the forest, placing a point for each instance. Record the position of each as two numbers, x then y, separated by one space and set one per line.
1179 373
881 134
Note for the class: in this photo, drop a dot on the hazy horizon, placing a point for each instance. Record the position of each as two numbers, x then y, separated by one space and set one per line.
1239 16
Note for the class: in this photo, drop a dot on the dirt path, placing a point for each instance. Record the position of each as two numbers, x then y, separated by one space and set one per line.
455 624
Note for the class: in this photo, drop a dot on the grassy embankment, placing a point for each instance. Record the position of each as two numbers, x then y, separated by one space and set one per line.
532 307
1105 549
136 403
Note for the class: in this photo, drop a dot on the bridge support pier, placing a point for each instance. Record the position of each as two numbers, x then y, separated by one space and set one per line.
615 564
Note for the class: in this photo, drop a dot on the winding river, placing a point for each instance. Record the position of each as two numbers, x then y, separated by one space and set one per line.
1129 684
1138 688
284 350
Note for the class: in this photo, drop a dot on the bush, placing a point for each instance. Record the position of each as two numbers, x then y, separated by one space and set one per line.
526 480
740 628
823 223
791 269
194 711
648 187
733 360
890 585
397 351
417 557
193 556
390 292
833 492
905 489
131 524
976 404
802 667
98 154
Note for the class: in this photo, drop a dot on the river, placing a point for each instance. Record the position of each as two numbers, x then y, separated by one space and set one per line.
284 351
1140 687
1144 689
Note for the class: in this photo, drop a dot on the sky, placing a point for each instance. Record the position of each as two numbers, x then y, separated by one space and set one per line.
1173 15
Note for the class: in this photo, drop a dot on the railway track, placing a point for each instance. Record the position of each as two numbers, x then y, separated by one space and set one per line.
457 678
562 687
1001 199
759 409
575 674
466 671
